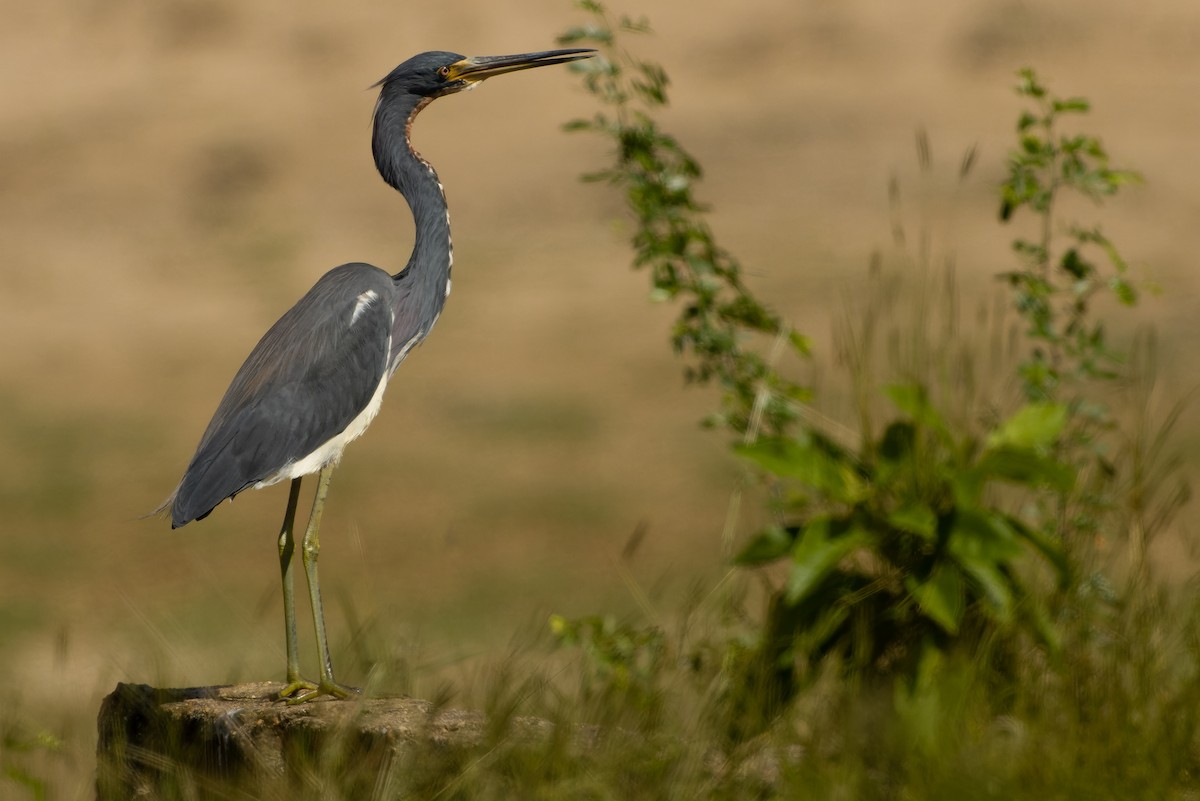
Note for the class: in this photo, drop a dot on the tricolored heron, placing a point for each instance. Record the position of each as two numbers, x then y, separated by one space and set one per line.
316 379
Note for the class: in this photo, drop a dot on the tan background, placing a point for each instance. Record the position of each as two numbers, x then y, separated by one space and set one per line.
173 175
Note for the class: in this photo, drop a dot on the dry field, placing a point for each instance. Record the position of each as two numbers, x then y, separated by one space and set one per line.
174 175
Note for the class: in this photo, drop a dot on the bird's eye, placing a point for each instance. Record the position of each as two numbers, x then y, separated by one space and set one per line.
443 71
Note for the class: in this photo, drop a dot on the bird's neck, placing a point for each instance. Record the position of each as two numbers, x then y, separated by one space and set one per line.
414 178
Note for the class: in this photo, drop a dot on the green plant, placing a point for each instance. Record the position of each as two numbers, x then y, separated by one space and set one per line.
622 663
901 544
903 547
1064 270
16 743
718 313
1054 290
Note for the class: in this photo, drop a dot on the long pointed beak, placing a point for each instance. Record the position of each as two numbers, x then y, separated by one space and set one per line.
477 68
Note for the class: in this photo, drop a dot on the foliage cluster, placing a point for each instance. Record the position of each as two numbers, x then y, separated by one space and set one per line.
673 242
1053 292
939 539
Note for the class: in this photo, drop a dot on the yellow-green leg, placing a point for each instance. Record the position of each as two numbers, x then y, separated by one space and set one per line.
287 545
310 549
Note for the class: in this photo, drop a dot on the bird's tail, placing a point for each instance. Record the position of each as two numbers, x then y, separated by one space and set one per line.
163 510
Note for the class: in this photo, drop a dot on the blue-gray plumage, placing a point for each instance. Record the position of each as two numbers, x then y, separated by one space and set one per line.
312 374
315 380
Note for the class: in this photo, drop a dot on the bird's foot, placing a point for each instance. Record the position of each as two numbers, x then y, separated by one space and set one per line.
299 692
295 686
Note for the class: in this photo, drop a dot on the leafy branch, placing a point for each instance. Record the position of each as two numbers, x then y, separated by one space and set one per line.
1054 290
718 314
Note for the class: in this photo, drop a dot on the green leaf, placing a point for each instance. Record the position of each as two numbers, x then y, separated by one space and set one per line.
800 343
941 597
639 25
810 459
1075 265
983 536
1048 546
1029 85
995 585
983 545
824 625
1007 206
818 550
913 400
898 441
1072 104
1025 466
916 518
1043 624
1118 178
770 544
1035 425
586 33
1124 291
909 398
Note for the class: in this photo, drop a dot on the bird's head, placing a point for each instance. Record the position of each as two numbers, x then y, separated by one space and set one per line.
438 72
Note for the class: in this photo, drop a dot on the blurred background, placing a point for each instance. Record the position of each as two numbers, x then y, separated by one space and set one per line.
174 175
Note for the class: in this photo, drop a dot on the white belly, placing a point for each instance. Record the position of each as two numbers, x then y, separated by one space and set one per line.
331 450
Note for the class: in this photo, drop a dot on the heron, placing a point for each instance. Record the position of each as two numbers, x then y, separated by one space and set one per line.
316 379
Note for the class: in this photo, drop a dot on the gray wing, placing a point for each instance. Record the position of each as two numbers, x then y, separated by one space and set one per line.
309 376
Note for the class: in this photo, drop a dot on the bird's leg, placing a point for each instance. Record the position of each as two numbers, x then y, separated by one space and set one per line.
311 547
287 545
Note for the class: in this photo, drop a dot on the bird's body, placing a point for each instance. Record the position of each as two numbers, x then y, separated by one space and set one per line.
282 417
316 379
